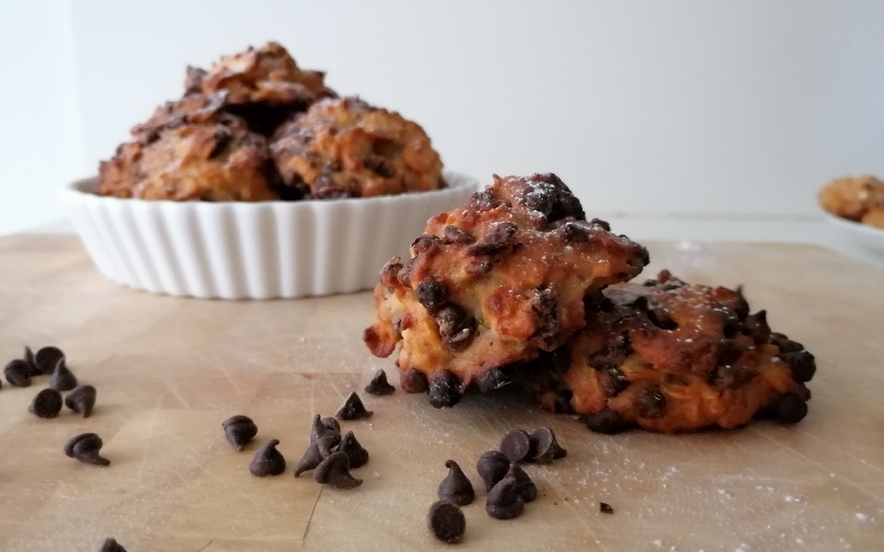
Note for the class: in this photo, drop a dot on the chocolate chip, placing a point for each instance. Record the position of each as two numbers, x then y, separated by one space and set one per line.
319 450
612 381
432 294
379 385
544 304
605 508
335 471
457 236
327 428
32 363
353 409
732 376
414 381
516 445
499 239
492 467
456 488
85 448
802 363
492 379
446 522
661 318
545 446
62 378
81 400
742 306
111 545
444 389
524 486
576 232
222 137
47 358
46 404
267 460
784 344
651 403
357 455
789 409
728 352
504 501
607 421
456 327
425 244
599 222
18 373
239 429
552 198
755 325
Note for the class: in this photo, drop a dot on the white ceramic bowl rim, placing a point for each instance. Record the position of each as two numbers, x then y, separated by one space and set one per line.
854 226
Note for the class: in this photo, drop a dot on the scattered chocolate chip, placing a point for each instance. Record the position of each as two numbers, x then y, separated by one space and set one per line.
379 385
605 508
457 236
500 238
318 451
492 467
46 404
802 363
111 545
651 403
789 409
267 460
446 521
18 373
444 389
85 448
456 487
357 455
516 445
607 421
492 379
545 447
524 486
81 400
728 352
32 364
456 327
335 471
432 294
239 429
353 409
414 381
325 428
504 500
661 318
62 378
47 358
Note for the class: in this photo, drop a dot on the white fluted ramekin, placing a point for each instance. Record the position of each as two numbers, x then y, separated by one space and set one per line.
243 250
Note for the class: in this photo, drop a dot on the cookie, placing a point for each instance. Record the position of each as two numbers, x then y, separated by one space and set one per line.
492 283
191 151
263 85
853 197
348 148
668 356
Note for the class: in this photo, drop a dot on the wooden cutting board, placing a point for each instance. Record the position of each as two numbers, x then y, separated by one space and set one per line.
168 371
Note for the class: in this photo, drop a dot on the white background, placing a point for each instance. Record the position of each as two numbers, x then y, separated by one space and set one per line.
678 117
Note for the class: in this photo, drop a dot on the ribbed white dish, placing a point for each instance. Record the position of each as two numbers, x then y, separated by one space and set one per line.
241 250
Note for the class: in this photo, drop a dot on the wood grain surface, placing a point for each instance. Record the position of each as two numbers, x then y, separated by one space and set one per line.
169 371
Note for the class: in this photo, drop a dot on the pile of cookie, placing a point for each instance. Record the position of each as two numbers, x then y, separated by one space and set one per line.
256 127
517 287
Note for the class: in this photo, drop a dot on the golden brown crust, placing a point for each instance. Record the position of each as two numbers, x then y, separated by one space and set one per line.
668 356
347 148
191 150
495 282
263 85
853 197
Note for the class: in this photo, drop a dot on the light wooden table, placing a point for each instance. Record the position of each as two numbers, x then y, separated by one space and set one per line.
168 371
